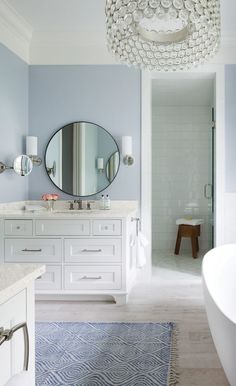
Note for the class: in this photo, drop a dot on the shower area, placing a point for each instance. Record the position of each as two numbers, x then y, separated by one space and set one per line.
183 158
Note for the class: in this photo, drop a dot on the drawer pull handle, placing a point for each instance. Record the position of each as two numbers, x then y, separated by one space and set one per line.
92 250
31 250
18 227
91 278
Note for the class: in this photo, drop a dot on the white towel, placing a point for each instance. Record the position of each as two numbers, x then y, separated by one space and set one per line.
185 221
142 242
21 379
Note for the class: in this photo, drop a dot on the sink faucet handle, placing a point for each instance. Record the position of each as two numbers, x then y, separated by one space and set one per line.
89 204
71 205
80 203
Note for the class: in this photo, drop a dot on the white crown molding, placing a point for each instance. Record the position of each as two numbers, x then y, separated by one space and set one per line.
15 32
72 46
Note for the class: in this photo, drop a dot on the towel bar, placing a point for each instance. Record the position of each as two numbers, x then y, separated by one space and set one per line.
6 335
138 224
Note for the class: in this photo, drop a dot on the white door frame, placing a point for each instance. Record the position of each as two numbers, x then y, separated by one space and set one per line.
217 72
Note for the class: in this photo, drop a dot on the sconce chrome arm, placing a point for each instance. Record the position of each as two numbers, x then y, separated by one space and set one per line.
4 167
37 161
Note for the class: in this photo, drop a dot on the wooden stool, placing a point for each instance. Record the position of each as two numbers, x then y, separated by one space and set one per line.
191 230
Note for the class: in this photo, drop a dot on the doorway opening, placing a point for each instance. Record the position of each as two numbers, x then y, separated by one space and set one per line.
183 166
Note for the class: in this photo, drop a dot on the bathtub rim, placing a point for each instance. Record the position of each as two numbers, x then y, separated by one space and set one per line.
207 256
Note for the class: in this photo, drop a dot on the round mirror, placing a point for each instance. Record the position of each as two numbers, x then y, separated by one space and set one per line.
112 165
77 156
23 165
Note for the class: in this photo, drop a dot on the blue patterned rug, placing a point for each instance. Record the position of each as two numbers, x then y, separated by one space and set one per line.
105 354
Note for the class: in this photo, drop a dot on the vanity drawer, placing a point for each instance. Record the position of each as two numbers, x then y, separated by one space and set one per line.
50 280
107 227
18 228
92 278
33 250
62 227
93 250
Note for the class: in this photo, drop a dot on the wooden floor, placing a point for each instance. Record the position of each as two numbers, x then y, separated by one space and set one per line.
173 294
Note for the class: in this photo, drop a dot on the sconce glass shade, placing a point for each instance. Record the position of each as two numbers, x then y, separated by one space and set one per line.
100 163
32 149
163 35
31 145
127 148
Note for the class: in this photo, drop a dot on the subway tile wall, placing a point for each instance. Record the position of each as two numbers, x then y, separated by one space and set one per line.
181 164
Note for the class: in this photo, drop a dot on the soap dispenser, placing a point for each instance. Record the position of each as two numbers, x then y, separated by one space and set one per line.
107 202
102 202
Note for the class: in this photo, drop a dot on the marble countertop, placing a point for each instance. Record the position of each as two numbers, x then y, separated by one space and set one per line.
118 209
15 277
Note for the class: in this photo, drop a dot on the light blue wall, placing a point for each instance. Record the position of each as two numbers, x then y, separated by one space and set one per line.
106 95
230 127
13 122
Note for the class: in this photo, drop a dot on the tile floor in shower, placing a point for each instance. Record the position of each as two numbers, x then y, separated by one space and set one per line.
173 294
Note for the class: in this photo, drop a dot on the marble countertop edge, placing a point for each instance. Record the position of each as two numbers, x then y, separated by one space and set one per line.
14 278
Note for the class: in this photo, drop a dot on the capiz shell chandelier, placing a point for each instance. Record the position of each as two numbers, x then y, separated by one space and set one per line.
163 35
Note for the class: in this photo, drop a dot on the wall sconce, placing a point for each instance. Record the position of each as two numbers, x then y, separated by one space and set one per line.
32 150
100 164
127 150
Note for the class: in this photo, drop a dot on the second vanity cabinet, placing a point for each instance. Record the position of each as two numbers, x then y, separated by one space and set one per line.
83 256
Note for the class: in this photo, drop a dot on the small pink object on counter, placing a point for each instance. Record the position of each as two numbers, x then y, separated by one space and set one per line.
49 196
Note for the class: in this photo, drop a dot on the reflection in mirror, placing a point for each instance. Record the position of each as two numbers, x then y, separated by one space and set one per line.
72 156
112 165
23 165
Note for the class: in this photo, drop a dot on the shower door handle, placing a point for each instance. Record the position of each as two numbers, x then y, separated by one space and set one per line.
208 188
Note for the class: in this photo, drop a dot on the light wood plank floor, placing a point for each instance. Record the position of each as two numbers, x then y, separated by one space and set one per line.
173 294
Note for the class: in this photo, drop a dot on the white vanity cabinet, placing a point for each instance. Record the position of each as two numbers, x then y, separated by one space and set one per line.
84 254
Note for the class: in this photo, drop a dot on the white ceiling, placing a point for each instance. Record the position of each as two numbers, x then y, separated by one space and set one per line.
74 32
62 14
88 14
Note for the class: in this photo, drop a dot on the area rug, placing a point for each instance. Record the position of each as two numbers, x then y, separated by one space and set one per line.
106 354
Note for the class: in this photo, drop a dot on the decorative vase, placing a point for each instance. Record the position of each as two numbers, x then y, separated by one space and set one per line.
50 204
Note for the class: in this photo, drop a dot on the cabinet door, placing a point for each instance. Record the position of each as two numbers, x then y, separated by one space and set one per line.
107 227
50 280
33 250
62 227
12 312
93 250
18 228
92 277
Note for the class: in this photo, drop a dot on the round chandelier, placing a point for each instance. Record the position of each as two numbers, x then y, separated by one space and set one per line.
163 35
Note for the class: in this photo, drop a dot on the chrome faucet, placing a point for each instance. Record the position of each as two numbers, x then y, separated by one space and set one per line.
71 205
89 204
80 204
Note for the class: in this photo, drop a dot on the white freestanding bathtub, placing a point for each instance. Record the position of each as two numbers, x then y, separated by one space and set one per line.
219 282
